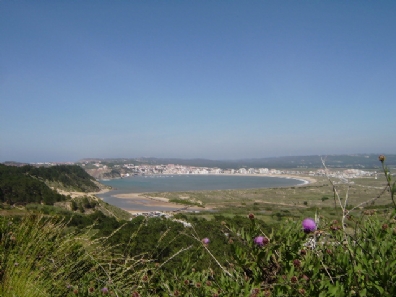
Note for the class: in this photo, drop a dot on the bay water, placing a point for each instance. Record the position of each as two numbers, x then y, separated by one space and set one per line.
181 183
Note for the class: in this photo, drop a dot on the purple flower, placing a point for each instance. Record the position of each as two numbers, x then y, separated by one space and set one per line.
205 240
105 290
308 225
260 240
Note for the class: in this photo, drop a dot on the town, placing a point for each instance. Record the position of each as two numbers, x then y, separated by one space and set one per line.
101 170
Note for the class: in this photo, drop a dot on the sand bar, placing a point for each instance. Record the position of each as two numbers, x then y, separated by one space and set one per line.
152 201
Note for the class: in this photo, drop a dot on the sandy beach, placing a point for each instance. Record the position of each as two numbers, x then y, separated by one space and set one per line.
81 194
305 179
152 201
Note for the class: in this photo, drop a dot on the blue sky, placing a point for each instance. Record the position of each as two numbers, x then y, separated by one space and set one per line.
196 79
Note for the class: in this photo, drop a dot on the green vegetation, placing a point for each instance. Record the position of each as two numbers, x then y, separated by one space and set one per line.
345 250
17 186
26 184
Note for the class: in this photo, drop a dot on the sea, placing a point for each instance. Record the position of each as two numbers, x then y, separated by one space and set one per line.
182 183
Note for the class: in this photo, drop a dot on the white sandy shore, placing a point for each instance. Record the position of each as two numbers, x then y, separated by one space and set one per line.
152 201
304 179
81 194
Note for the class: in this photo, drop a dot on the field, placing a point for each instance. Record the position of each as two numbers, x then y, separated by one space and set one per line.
272 204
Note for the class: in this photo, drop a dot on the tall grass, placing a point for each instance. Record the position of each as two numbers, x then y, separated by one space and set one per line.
40 257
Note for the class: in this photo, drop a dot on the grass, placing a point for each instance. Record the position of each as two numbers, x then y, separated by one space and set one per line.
41 256
275 204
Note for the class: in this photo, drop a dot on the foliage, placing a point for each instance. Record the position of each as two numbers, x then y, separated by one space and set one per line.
239 256
70 176
18 187
28 184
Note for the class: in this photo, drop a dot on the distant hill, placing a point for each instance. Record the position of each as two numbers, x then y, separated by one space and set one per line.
363 161
28 184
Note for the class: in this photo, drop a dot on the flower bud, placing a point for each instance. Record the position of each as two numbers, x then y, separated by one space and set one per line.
261 240
301 291
296 263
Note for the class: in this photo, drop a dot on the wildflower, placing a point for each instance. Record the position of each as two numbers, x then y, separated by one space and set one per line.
381 158
303 252
261 240
255 291
296 263
385 226
91 290
198 285
105 290
301 291
205 240
251 216
309 225
294 279
135 294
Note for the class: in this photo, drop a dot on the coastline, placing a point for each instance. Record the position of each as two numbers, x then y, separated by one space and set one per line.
145 199
305 179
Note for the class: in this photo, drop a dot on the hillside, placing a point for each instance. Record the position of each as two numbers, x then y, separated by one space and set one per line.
64 190
26 184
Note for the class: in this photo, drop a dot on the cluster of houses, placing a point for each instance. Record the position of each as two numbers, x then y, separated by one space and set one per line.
344 174
132 169
160 214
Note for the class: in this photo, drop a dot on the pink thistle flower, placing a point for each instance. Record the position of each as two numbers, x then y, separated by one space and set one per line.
105 290
205 240
261 240
309 225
